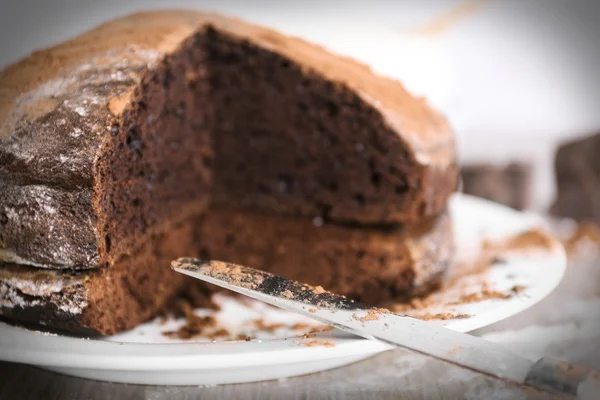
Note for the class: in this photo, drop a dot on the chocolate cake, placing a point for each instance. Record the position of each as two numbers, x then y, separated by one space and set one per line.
125 134
510 184
577 169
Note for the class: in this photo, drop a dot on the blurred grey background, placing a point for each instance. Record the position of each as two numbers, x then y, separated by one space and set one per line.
514 77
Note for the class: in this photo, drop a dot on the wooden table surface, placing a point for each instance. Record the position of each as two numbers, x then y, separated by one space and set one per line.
391 375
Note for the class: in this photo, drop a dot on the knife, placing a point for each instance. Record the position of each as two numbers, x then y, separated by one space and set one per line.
460 349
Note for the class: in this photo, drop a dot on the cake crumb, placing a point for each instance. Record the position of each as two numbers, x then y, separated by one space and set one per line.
194 325
497 260
326 329
518 289
262 325
318 290
371 315
306 341
312 310
287 294
219 333
526 240
417 303
298 326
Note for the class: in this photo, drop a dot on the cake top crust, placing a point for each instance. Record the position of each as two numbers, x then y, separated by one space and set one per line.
31 88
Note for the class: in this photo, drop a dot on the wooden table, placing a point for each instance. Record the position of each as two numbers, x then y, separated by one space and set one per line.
391 375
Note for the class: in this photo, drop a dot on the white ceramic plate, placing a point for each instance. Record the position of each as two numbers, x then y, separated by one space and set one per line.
145 355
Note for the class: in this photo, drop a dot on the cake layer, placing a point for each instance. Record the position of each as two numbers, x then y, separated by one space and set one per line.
159 114
102 301
369 265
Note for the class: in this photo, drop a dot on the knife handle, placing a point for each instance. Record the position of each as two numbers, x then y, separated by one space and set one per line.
565 378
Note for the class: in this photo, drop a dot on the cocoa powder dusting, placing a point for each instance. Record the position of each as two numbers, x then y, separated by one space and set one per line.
234 275
466 282
485 294
371 315
441 316
318 290
527 240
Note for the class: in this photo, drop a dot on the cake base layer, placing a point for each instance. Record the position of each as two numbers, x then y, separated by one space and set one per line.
102 301
370 265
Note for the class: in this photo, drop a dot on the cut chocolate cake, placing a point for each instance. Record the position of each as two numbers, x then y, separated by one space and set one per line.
121 137
510 184
577 168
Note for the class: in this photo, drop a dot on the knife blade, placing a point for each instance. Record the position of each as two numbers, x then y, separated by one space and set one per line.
411 333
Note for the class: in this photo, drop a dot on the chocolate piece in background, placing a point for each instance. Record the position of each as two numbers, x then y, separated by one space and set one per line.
577 167
505 184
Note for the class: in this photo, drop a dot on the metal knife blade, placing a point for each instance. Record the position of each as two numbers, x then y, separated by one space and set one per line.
420 336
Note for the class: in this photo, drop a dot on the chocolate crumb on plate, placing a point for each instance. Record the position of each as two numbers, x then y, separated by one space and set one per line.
518 289
194 325
262 325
